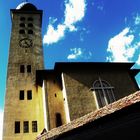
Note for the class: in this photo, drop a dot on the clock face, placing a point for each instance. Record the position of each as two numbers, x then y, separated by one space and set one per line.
25 43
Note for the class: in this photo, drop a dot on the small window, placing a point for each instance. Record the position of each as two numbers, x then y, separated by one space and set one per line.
22 69
22 31
22 25
29 94
21 95
30 25
34 126
29 68
58 119
22 19
30 31
30 19
26 127
55 95
17 127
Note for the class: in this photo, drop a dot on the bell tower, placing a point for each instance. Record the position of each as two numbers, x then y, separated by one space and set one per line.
23 112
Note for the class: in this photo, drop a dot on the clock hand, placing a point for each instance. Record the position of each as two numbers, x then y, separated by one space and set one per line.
27 43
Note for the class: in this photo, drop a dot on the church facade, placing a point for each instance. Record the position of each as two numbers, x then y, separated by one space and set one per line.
37 98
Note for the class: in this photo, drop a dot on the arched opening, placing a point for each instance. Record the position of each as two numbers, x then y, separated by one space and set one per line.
22 18
30 25
30 19
22 25
22 31
30 31
58 119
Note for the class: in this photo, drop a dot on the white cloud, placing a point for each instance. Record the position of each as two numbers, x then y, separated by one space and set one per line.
74 12
1 123
121 47
52 35
138 60
77 53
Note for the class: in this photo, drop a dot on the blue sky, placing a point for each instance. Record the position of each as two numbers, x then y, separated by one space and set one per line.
79 30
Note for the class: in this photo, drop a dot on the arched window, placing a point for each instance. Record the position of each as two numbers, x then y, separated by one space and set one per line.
103 92
30 19
30 25
22 25
58 119
22 31
30 31
22 18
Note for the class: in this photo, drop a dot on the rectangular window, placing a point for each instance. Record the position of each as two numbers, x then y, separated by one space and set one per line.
22 69
26 127
34 126
29 68
17 127
29 94
21 95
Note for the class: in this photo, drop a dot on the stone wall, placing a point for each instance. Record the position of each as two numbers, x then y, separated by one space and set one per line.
15 108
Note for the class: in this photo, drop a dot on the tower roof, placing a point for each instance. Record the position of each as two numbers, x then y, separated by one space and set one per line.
26 6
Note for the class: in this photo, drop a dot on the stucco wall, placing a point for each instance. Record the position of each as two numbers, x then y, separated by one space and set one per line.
55 100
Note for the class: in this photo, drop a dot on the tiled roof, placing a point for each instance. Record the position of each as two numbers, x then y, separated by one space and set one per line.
106 110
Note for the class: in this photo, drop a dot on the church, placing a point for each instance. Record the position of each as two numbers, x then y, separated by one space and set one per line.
40 100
